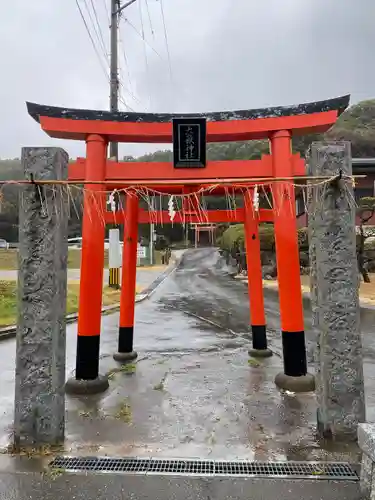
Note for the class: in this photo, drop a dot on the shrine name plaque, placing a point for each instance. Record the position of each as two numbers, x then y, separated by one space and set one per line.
189 142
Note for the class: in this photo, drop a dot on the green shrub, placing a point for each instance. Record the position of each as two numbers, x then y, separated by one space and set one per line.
266 237
230 236
235 234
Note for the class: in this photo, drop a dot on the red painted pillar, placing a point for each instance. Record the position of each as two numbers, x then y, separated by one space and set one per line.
87 379
128 283
255 281
288 270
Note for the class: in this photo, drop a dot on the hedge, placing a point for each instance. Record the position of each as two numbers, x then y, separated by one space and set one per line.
235 234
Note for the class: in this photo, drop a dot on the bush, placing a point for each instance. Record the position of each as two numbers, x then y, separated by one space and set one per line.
235 234
267 237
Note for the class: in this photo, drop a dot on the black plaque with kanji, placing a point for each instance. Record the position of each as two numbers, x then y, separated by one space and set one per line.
189 142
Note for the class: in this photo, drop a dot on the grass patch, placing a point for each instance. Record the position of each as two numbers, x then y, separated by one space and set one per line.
54 473
111 296
253 362
160 385
9 259
38 452
8 300
124 412
126 368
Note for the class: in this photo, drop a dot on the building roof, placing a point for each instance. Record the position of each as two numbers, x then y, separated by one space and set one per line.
363 165
363 161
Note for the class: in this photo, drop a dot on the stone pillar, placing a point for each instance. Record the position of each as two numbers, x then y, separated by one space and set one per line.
335 297
42 280
366 443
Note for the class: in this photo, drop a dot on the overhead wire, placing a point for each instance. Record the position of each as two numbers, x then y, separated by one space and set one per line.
99 27
166 39
122 50
122 86
100 38
145 51
150 20
107 10
105 53
92 41
142 37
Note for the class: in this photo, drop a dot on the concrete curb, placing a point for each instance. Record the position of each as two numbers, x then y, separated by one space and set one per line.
10 331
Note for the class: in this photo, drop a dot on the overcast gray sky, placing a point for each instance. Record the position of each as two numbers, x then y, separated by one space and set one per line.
224 54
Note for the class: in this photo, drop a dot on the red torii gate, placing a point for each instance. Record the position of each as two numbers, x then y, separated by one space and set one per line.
98 174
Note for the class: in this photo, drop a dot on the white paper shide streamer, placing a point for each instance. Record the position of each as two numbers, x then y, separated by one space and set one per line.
112 201
171 209
256 199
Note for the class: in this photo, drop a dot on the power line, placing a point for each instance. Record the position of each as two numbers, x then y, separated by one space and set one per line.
95 29
107 11
144 50
99 27
149 19
144 39
125 60
166 39
92 40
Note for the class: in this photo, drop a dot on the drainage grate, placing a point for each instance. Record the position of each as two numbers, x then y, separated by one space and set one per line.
292 470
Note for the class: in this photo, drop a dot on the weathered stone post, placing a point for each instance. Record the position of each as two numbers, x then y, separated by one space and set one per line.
42 281
334 294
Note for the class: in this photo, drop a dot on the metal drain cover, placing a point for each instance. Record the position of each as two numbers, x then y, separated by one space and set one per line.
292 470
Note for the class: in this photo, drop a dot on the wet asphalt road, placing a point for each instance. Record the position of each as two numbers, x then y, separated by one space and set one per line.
192 393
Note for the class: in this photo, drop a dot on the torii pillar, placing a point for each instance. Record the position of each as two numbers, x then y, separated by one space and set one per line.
295 377
87 379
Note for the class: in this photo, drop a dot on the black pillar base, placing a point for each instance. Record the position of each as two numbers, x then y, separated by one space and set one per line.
259 333
87 387
87 362
87 379
123 357
125 345
304 383
294 353
260 353
295 377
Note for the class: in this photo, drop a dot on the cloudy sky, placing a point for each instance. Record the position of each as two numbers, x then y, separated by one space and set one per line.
224 54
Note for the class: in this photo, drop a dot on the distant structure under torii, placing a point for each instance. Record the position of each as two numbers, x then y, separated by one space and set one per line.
205 228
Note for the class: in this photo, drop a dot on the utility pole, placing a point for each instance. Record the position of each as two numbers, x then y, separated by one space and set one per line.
114 81
116 9
114 250
152 231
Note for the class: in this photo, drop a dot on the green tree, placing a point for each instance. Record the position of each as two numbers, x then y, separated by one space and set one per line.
365 211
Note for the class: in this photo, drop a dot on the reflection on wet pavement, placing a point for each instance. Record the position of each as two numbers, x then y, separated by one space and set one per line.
192 391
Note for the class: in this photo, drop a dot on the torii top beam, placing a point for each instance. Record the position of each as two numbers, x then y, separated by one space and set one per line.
68 123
